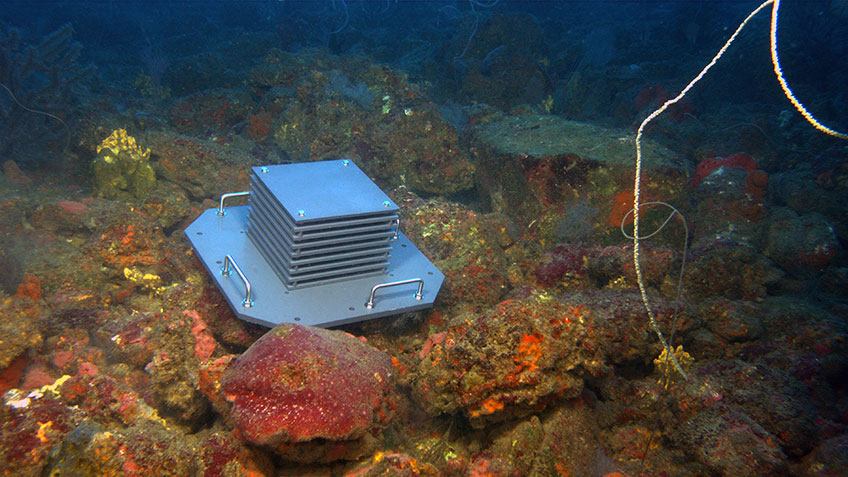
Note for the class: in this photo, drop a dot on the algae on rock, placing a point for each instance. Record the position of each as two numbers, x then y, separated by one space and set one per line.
538 135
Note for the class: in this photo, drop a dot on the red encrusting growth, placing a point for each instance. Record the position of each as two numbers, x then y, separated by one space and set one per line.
299 383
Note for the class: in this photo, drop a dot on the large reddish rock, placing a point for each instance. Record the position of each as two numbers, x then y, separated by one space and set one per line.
301 385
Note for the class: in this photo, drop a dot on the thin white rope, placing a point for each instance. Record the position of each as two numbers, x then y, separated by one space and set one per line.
637 184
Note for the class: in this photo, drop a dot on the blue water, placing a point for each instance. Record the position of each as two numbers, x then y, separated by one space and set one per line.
438 42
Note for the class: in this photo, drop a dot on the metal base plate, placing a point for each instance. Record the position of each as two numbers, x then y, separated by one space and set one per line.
214 236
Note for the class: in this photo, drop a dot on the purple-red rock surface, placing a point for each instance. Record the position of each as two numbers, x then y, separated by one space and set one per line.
298 384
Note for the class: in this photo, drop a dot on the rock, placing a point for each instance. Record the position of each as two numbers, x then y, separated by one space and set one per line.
196 168
395 463
151 449
728 205
619 327
211 112
173 391
464 246
209 377
487 464
107 401
222 454
732 320
565 444
422 148
65 216
510 361
14 173
829 458
548 135
300 384
16 331
801 243
31 423
536 168
728 268
731 443
777 401
766 396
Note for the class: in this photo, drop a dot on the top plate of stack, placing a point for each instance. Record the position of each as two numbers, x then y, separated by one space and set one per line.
320 222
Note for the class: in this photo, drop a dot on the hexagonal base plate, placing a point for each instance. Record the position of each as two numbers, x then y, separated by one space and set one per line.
214 237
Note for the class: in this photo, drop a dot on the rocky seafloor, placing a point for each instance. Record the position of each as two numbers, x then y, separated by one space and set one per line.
119 356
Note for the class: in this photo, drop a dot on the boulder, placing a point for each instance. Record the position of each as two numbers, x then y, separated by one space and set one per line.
301 385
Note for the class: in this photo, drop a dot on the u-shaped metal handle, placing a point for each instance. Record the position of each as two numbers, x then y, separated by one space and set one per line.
370 303
224 197
229 260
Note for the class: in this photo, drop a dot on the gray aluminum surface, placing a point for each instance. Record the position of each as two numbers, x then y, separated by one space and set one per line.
263 210
317 238
280 252
213 237
286 236
323 190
